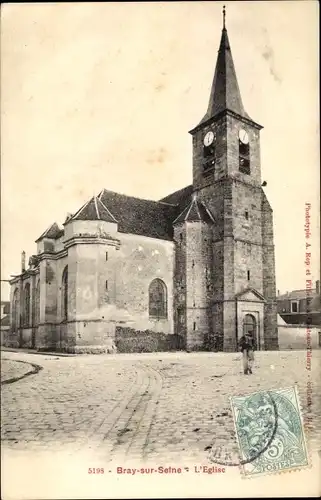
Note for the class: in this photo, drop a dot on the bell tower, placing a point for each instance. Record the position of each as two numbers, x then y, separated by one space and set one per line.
227 179
226 142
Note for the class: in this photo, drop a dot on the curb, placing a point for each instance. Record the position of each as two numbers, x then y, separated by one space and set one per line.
36 369
31 351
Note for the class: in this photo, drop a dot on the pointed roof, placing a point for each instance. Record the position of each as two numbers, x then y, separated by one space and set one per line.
196 211
225 93
94 209
53 232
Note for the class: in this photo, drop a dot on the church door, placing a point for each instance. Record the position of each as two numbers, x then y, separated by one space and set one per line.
250 327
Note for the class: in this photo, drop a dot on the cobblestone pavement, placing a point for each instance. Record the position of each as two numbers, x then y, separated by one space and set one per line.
13 369
152 407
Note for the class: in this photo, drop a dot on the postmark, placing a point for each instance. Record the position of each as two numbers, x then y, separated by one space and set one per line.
229 454
255 415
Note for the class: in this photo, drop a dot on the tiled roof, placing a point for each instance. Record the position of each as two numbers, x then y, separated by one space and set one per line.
180 197
138 216
53 232
195 211
94 209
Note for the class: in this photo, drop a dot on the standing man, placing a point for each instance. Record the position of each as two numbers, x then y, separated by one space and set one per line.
246 344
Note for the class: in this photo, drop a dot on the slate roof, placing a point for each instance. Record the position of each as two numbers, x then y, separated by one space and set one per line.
297 295
133 215
139 216
179 197
94 209
225 92
195 211
149 218
53 232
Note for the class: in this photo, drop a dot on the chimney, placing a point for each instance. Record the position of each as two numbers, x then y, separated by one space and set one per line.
317 287
23 261
278 293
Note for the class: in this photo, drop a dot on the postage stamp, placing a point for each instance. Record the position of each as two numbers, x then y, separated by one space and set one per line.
269 430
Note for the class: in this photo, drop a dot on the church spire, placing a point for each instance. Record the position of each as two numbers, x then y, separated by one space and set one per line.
224 14
225 92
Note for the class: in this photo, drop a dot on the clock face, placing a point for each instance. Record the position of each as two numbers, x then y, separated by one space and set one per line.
243 136
209 138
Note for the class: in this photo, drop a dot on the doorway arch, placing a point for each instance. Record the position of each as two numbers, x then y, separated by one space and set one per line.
250 326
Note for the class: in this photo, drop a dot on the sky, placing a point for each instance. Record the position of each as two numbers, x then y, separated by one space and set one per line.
102 95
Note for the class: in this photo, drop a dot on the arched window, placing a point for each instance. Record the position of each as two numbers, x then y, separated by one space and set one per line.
37 303
244 153
27 305
157 299
64 294
15 310
249 325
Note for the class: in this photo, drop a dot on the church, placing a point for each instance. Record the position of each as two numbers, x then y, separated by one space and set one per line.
197 265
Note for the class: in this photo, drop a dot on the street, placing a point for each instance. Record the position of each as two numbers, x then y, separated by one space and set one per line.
159 409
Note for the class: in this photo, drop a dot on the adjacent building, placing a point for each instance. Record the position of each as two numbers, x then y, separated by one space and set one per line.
301 307
5 320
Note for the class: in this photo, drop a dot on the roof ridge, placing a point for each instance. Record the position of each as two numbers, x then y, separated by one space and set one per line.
197 208
208 212
188 212
54 225
180 215
96 207
109 212
136 197
81 209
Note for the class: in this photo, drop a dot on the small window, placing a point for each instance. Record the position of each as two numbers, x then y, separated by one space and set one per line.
193 263
246 213
245 165
181 237
248 276
106 255
294 307
106 285
27 305
244 158
194 326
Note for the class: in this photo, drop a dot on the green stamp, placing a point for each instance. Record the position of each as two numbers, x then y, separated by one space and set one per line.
269 431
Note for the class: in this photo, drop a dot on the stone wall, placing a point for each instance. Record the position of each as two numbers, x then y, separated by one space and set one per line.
140 260
269 285
130 340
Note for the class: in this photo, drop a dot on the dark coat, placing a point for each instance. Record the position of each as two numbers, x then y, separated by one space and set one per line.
246 343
